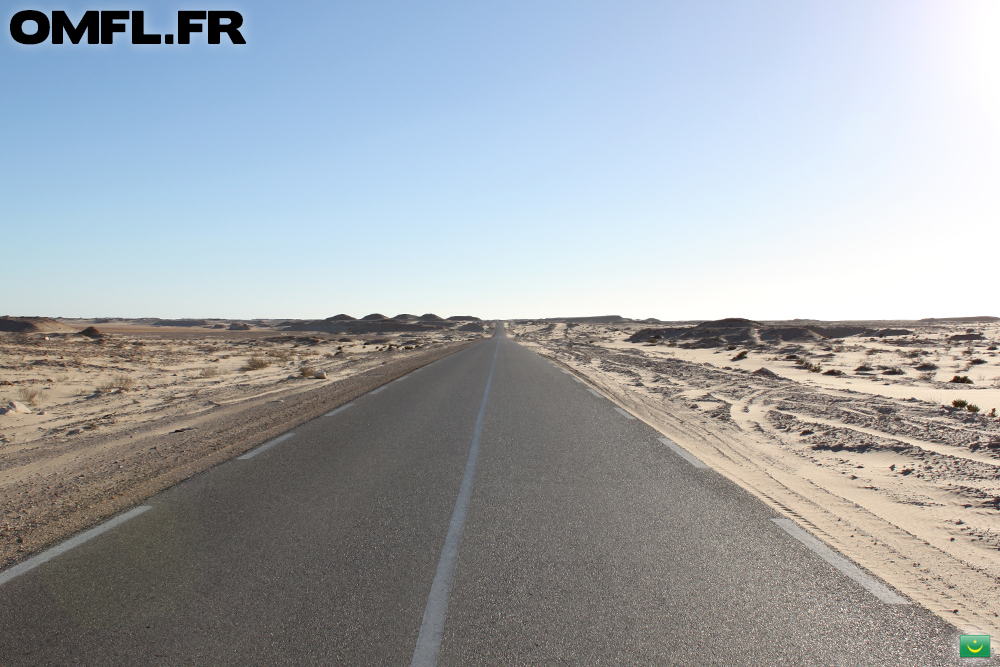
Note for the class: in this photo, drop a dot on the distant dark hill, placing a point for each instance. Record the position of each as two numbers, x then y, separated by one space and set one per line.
31 324
960 320
729 323
180 323
590 319
740 331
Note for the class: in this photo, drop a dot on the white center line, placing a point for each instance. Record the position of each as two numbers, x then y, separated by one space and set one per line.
432 627
254 452
683 453
49 554
341 408
845 566
625 414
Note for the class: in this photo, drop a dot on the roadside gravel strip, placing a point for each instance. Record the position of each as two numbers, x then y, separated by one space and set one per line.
85 481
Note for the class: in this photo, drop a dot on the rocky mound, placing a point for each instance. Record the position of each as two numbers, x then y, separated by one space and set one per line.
464 318
341 317
375 316
239 326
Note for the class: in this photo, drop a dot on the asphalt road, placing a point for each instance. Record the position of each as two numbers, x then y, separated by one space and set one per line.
580 539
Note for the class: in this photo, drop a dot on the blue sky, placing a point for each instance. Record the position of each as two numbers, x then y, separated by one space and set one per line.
519 159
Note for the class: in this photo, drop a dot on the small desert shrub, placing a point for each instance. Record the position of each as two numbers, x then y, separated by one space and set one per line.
927 366
123 382
834 371
865 367
812 368
741 355
328 355
792 357
992 348
992 413
307 371
959 403
977 361
894 370
29 396
928 375
256 363
730 347
210 372
961 379
972 408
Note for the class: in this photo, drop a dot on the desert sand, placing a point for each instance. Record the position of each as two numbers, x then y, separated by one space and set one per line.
93 423
849 428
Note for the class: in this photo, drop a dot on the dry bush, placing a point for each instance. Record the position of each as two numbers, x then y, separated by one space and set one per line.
210 372
29 395
256 364
307 371
123 382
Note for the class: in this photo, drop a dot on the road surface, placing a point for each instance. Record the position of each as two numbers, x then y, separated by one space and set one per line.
488 509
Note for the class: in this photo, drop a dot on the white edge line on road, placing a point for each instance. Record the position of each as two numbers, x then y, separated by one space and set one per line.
341 408
402 378
595 393
267 445
425 654
625 414
683 453
49 554
375 391
578 379
845 566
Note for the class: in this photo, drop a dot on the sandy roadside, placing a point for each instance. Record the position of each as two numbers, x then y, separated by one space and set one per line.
54 486
875 465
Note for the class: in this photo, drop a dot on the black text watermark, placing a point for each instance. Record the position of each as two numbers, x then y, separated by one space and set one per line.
99 27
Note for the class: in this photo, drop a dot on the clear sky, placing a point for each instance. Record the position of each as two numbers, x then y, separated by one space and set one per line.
679 160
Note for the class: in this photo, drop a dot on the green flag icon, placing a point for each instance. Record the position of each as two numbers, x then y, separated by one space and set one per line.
974 646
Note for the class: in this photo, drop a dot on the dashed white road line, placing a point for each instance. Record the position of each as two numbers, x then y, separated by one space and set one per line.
845 566
595 393
625 414
49 554
254 452
683 453
402 378
340 409
578 379
375 391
